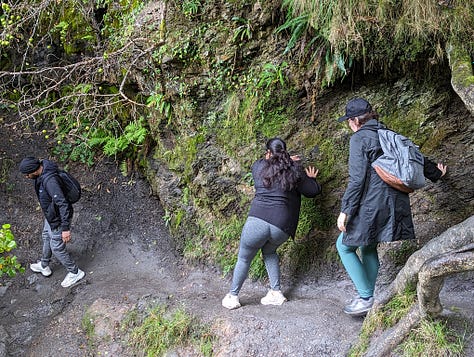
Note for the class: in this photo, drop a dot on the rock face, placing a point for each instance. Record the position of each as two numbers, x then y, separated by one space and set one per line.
229 86
462 76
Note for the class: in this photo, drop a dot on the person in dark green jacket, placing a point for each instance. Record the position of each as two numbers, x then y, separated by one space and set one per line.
371 210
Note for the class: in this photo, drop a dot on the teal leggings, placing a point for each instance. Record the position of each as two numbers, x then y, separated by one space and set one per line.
362 270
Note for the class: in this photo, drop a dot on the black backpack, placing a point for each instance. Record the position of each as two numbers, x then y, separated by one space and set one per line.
70 186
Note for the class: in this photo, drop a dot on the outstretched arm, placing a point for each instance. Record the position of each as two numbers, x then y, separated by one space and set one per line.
433 171
308 186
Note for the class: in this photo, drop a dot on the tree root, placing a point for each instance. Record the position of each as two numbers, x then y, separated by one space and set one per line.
450 253
454 239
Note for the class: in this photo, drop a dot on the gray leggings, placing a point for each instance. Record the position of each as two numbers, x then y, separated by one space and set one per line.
53 244
258 234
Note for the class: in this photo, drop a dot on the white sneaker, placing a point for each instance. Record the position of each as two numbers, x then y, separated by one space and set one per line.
231 301
38 268
72 278
273 297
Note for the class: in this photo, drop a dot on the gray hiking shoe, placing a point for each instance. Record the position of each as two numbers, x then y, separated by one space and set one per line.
359 306
38 268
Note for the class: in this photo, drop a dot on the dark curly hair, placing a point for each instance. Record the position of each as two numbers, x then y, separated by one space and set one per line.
280 170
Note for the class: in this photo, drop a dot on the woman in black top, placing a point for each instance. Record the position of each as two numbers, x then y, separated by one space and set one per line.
371 210
273 217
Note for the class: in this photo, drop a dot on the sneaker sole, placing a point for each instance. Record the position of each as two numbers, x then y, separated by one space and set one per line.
273 303
357 313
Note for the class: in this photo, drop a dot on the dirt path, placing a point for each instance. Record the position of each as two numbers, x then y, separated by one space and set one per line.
128 256
120 241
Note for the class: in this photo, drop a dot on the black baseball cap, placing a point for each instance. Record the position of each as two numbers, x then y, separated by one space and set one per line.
356 107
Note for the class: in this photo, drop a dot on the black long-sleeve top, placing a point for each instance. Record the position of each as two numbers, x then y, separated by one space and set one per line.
278 207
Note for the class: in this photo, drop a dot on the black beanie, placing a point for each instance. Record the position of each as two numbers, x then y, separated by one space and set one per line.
29 164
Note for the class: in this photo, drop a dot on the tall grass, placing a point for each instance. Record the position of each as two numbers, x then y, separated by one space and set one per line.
379 33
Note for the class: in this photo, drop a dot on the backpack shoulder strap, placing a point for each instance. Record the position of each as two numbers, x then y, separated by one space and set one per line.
48 177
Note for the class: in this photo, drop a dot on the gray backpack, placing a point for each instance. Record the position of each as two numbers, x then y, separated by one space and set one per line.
401 164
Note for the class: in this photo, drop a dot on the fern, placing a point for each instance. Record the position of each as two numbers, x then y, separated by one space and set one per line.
134 134
124 168
298 26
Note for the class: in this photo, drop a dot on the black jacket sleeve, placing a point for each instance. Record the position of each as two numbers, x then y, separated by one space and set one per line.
308 186
358 164
431 171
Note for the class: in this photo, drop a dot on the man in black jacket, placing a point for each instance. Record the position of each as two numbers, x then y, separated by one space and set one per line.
58 215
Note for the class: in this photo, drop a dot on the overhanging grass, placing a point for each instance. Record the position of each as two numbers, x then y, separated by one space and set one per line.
378 33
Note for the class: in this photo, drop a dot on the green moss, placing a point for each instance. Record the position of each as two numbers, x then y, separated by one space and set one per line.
162 330
400 252
225 242
182 155
411 122
433 337
461 66
238 128
468 81
274 121
88 326
435 140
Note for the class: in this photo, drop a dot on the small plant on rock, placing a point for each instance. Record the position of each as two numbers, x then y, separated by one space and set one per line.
272 74
244 31
191 7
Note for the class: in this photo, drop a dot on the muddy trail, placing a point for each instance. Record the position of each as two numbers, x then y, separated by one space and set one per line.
120 240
